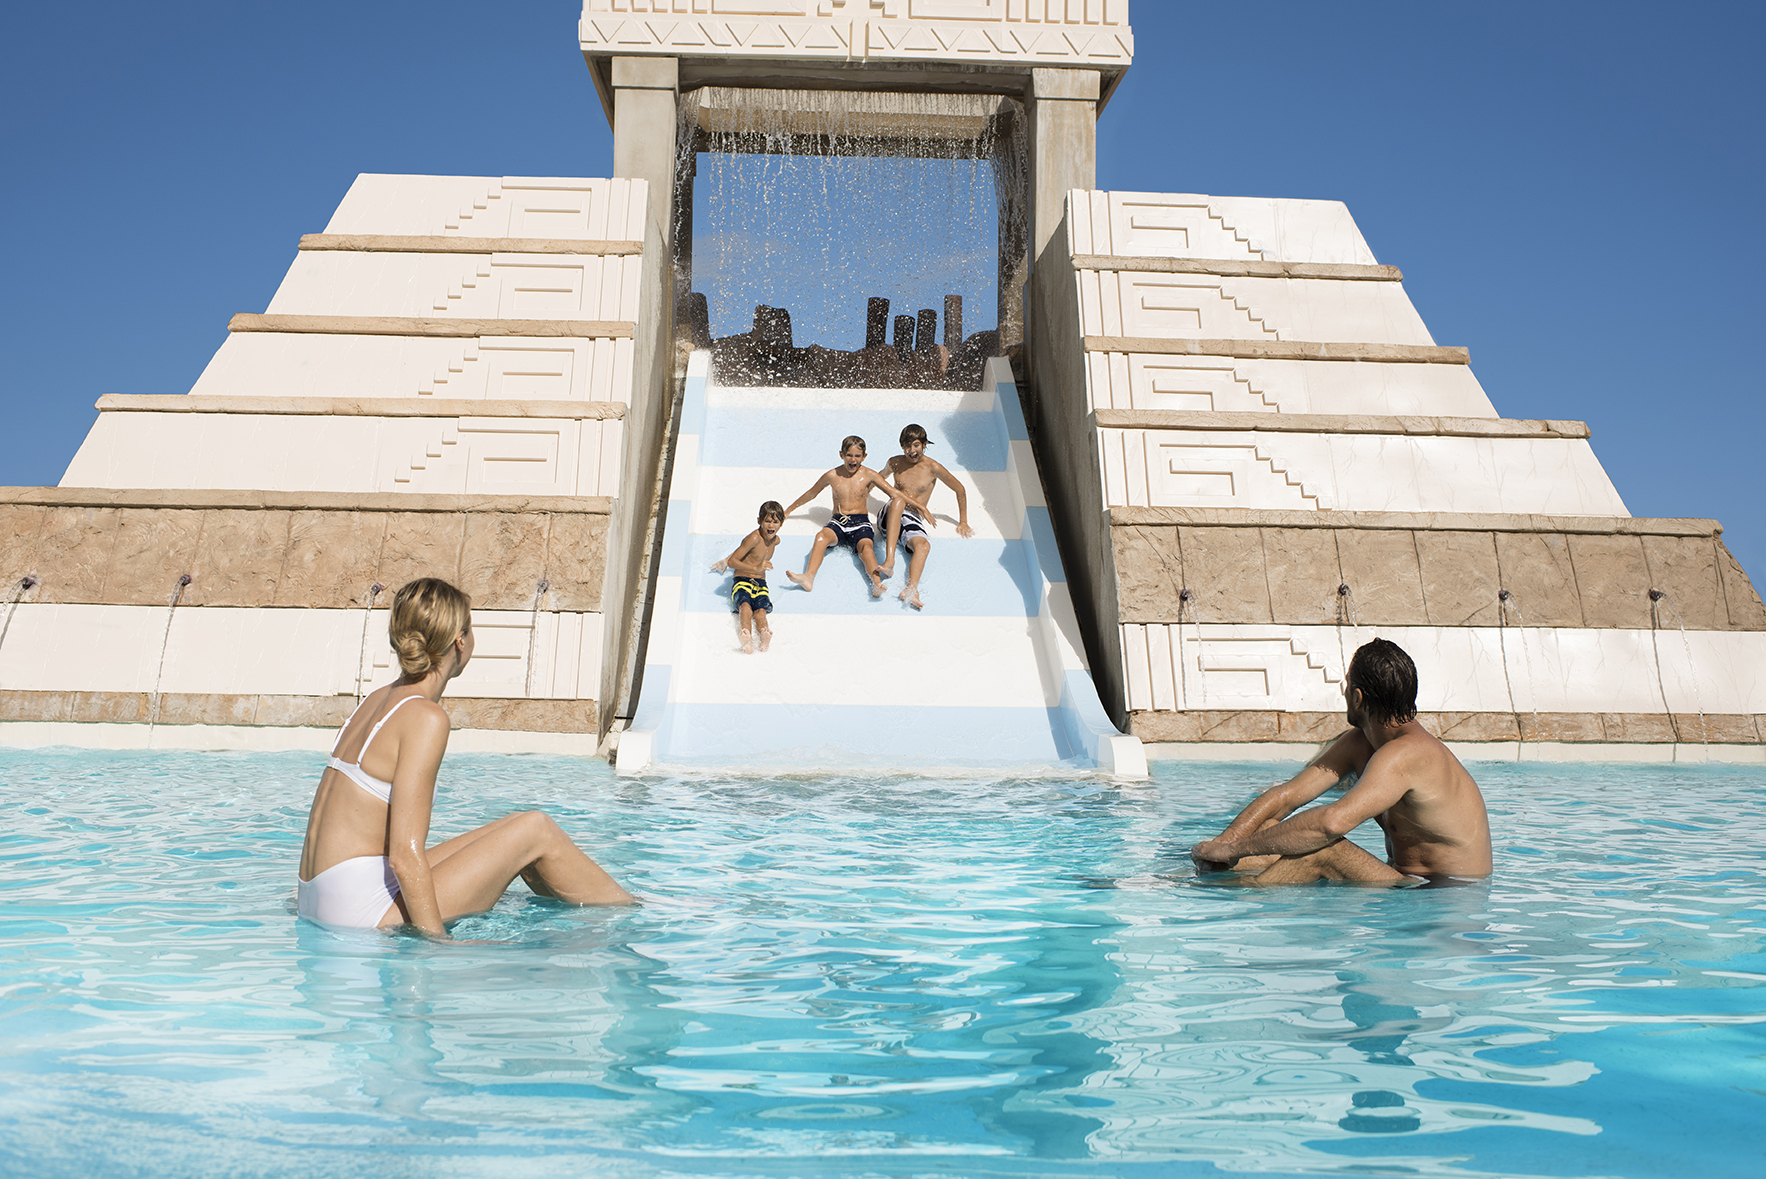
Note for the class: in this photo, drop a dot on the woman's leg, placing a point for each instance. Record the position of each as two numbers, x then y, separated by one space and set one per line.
472 870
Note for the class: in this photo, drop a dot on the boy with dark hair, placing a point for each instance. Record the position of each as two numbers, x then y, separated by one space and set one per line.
750 560
850 484
904 520
1410 784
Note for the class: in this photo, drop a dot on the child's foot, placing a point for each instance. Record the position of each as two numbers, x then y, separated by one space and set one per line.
747 641
887 571
766 637
911 595
802 581
876 584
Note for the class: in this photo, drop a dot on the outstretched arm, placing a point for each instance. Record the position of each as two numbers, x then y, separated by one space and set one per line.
815 490
956 485
407 823
1278 802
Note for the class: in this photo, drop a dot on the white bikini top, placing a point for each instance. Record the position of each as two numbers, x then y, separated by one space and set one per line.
353 770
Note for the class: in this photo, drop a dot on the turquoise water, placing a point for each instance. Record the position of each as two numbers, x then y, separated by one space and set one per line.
879 977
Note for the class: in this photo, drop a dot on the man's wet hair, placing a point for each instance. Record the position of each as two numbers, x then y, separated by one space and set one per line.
914 432
770 510
851 441
1386 678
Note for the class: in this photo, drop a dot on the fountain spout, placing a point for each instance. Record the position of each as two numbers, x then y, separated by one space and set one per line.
165 644
362 651
1658 599
533 630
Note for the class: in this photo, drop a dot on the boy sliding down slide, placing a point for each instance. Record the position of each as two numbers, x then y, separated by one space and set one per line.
850 484
916 475
749 561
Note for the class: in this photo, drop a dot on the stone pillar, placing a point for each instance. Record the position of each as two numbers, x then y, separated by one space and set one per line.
1063 145
1063 156
644 93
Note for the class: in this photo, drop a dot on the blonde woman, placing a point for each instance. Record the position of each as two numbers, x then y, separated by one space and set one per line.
366 863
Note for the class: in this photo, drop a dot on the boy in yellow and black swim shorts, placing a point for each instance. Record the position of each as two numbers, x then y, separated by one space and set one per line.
749 561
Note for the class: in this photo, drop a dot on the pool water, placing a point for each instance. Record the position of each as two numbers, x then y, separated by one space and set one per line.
880 977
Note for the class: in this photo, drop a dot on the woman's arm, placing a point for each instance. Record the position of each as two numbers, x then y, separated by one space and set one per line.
420 752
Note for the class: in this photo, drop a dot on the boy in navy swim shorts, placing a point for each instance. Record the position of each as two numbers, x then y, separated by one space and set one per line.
749 561
851 484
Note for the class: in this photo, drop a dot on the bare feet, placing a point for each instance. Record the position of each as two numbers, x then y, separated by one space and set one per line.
888 570
801 580
747 641
911 595
876 584
766 637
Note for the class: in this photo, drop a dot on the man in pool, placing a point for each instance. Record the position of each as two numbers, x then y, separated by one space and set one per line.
1410 784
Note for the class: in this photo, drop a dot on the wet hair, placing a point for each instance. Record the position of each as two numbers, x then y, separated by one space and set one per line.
914 431
768 510
851 441
1386 678
427 616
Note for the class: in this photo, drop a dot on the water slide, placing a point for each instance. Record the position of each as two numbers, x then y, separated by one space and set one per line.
990 675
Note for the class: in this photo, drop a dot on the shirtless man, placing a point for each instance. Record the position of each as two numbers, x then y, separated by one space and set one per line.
851 484
916 476
1411 785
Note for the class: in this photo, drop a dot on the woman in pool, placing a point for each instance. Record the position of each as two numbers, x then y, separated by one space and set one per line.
367 863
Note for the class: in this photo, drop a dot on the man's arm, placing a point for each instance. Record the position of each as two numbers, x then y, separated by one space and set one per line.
1383 782
1278 802
814 491
956 485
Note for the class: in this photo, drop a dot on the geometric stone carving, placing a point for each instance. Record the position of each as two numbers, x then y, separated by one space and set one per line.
1181 467
1187 307
1149 468
485 206
293 365
1173 668
1189 225
1130 380
1040 32
493 286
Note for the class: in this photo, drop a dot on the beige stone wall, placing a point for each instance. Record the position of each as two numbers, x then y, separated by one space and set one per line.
191 708
1574 727
1426 570
299 549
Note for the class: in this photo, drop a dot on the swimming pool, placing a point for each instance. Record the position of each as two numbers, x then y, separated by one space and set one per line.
882 977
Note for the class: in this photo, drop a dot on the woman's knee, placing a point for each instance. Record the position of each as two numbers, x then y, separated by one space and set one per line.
536 825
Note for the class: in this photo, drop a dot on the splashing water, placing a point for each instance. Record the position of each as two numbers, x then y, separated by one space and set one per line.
1657 599
815 200
1505 606
362 653
165 643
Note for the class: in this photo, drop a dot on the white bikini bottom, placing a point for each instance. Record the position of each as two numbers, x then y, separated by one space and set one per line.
353 894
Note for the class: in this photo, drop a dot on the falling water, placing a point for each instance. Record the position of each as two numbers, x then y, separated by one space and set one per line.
533 629
22 587
1505 606
362 650
165 643
1658 598
811 201
1186 604
1346 616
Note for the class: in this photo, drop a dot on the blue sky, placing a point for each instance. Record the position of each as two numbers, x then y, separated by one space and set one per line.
1572 190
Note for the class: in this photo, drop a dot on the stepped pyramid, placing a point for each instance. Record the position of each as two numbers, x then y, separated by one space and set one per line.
1253 457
